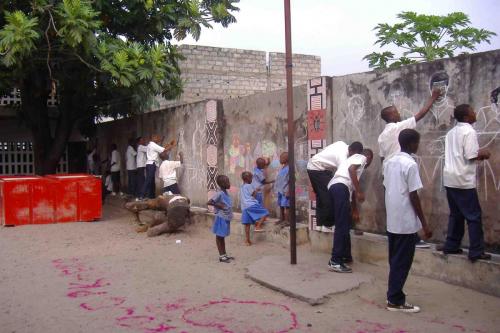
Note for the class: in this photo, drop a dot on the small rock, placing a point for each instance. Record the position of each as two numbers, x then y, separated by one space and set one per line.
309 325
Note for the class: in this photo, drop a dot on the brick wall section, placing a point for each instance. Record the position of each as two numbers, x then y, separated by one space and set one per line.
212 72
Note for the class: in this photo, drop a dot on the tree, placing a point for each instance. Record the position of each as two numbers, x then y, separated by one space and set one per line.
425 38
100 57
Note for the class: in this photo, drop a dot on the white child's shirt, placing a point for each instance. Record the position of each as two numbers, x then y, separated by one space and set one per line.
141 156
388 143
330 157
153 153
130 158
115 161
342 175
168 172
108 183
460 146
401 177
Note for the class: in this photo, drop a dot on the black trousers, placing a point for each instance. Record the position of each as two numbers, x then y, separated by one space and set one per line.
464 205
115 179
339 196
132 182
141 174
174 188
401 252
148 189
319 181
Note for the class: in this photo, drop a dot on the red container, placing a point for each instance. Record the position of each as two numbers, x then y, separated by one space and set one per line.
26 200
78 197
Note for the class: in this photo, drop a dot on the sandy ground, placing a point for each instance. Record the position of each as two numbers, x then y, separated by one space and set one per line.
104 277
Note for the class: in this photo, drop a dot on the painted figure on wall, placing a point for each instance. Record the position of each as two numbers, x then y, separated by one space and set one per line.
399 100
442 109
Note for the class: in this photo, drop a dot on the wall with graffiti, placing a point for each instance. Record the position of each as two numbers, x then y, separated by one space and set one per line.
256 126
357 100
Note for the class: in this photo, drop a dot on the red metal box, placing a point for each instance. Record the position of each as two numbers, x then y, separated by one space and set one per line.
26 200
78 197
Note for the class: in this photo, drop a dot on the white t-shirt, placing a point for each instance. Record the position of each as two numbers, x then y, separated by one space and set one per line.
168 173
388 143
460 146
141 156
400 178
90 162
342 175
115 161
130 157
153 153
330 157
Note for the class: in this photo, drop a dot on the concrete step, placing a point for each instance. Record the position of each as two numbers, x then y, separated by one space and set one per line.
483 276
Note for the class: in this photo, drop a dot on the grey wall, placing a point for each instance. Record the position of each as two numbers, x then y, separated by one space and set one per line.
357 100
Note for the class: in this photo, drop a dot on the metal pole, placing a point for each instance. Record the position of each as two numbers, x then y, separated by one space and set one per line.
291 132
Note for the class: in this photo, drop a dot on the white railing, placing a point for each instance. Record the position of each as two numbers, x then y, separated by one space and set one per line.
14 98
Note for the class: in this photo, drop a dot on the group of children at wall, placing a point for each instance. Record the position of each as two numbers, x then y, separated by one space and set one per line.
335 174
253 211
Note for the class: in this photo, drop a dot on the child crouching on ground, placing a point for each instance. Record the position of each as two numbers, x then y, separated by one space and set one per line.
223 215
252 212
404 217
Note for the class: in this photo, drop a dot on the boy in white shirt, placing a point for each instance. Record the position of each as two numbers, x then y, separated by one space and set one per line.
152 157
115 169
168 173
141 164
388 140
320 169
130 160
404 217
344 188
459 177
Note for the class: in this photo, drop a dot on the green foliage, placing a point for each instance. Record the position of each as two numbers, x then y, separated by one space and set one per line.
425 38
17 38
116 52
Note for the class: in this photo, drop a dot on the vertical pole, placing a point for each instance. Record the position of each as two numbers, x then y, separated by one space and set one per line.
291 132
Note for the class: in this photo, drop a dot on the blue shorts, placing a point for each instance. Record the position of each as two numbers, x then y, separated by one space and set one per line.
221 227
283 200
259 197
253 214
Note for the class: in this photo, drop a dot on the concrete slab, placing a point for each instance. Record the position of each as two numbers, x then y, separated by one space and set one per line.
309 280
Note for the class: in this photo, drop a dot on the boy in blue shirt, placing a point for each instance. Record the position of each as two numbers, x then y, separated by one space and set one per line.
281 188
252 212
259 179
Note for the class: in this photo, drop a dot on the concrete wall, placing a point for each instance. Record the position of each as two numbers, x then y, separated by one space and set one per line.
356 103
256 126
184 123
224 73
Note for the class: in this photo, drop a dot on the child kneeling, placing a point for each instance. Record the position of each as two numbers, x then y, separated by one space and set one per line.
223 215
252 212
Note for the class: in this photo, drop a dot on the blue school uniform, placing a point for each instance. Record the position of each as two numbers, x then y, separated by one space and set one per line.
251 209
258 182
281 187
221 225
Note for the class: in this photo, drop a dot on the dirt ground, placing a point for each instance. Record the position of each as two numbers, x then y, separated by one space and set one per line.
104 277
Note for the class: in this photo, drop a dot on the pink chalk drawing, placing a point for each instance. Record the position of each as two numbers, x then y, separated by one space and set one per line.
225 315
219 315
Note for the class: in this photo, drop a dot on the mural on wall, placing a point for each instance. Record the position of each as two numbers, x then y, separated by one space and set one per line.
442 109
316 115
212 150
397 97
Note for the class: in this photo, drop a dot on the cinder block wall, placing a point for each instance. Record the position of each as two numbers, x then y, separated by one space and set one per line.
225 73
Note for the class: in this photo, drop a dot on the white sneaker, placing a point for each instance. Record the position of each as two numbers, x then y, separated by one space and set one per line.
121 194
422 245
113 193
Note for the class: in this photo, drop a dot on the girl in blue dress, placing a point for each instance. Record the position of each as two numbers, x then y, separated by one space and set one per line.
223 214
252 212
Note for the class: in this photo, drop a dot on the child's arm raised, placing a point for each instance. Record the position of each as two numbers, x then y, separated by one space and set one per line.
355 182
219 205
415 202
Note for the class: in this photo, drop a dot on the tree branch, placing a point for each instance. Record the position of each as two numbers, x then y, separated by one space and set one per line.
86 63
